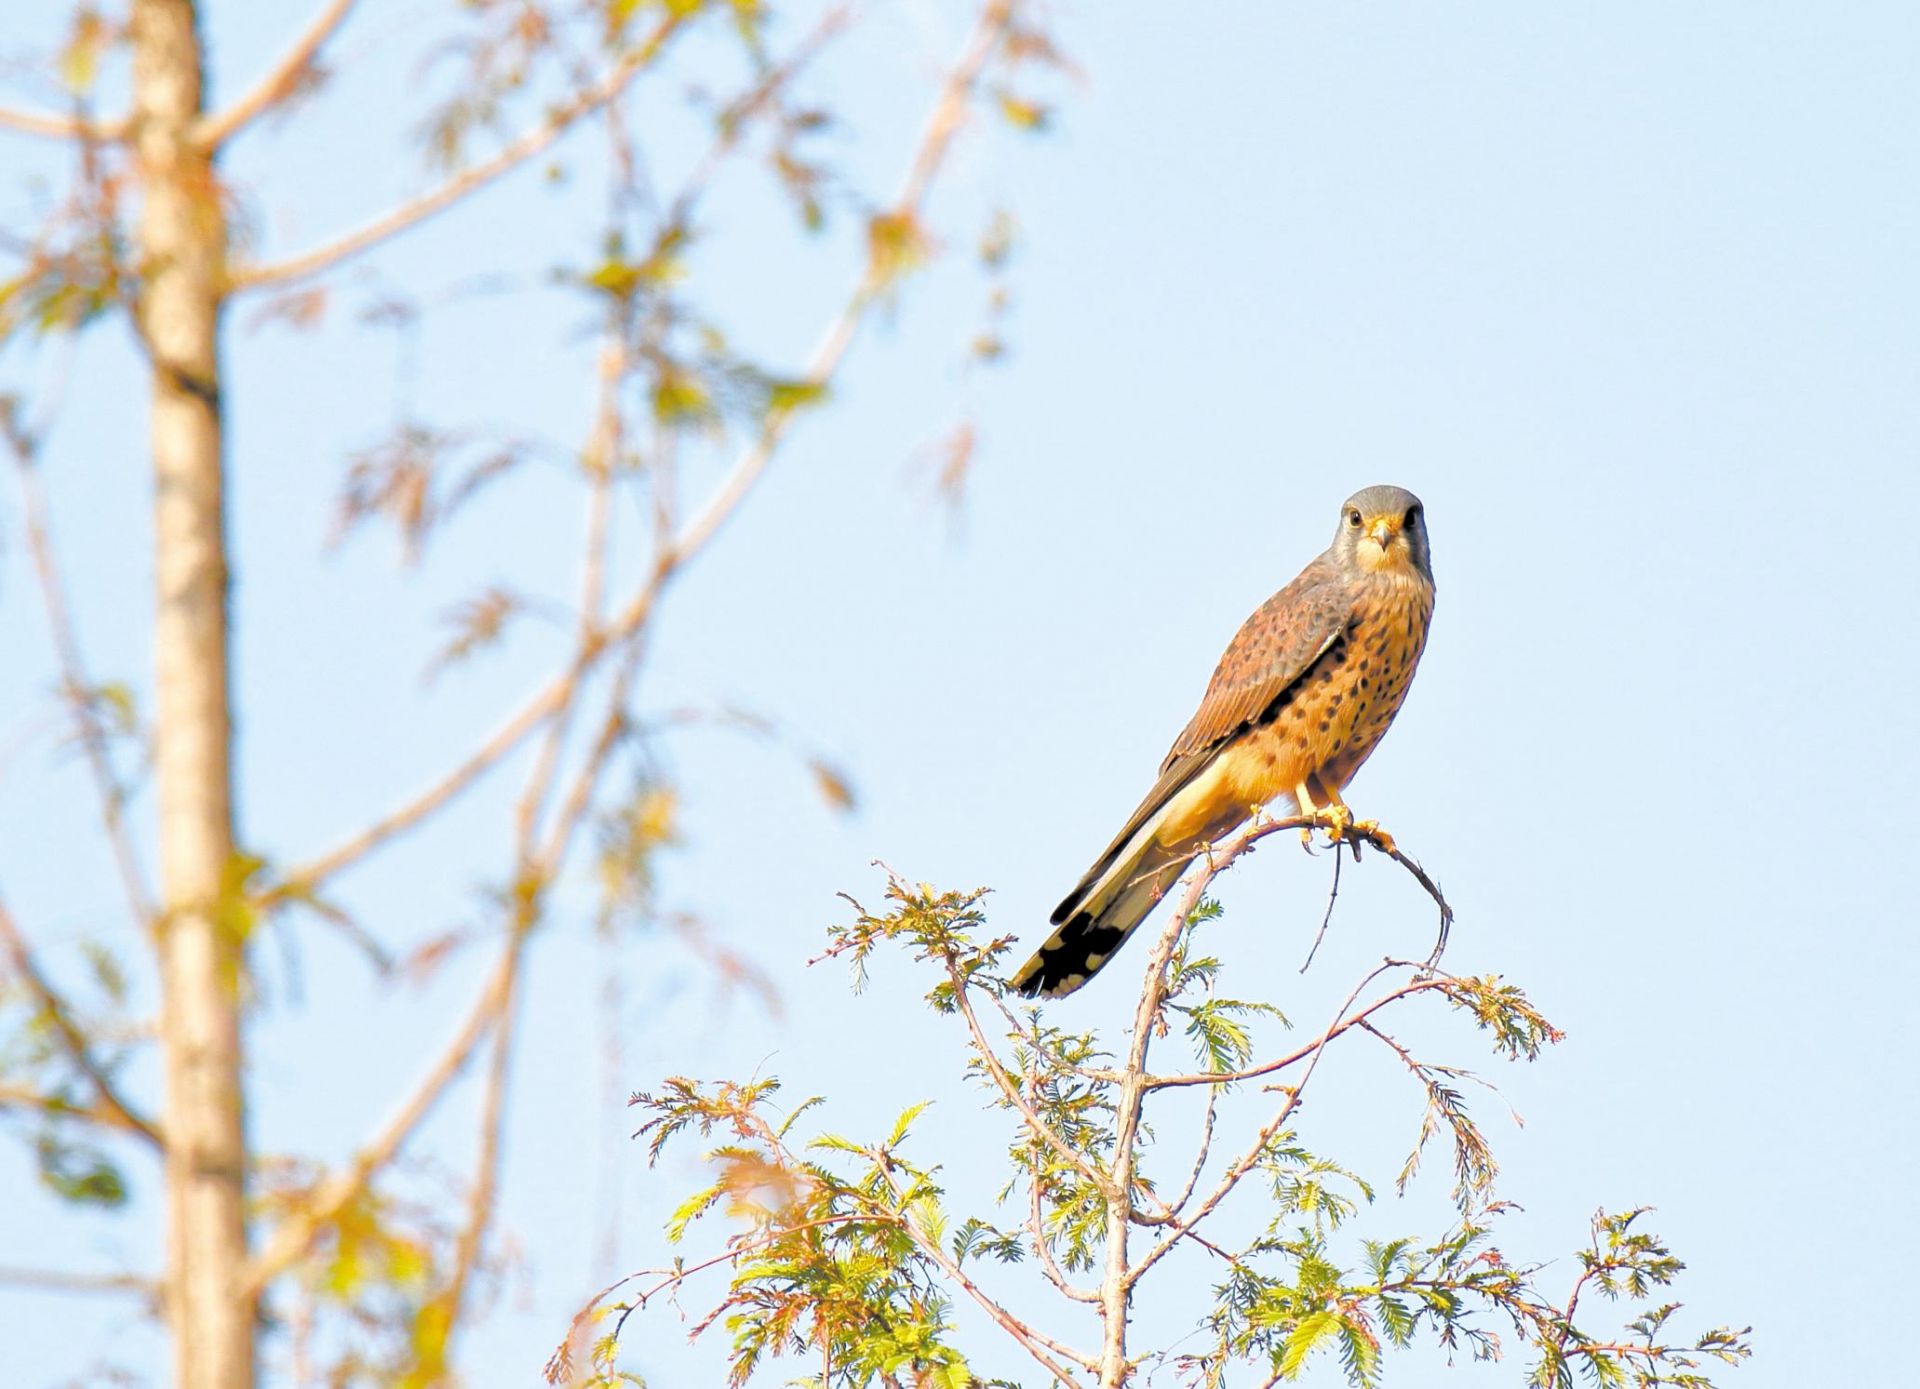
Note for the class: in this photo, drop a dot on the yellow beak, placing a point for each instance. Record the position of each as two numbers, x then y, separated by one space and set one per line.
1383 529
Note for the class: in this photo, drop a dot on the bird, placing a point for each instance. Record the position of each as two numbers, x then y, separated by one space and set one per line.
1300 699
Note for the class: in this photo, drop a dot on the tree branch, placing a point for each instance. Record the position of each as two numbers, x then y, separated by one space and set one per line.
1035 1343
26 1097
62 1281
74 682
1050 1266
1180 1227
936 141
281 80
1293 1058
1011 1093
511 156
1116 1284
486 1179
73 1041
62 127
292 1239
692 538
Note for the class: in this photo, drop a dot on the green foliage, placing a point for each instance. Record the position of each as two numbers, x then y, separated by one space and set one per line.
846 1254
78 1172
938 927
381 1271
831 1260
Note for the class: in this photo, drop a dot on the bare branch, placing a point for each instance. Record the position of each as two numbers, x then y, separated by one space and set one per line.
691 539
73 1041
281 81
1049 1265
74 682
1179 1203
486 1179
1333 896
670 1279
936 141
62 1281
1117 1282
1304 1053
509 157
1010 1092
1035 1343
292 1239
1180 1227
55 1106
306 876
62 127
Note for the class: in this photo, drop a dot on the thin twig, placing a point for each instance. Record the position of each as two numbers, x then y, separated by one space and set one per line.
1246 1161
58 1107
1303 1053
673 1278
1049 1265
292 1239
509 157
486 1180
62 127
1034 1342
600 457
700 531
1327 920
997 1072
1200 1158
72 1040
306 876
936 141
61 1281
74 682
537 868
281 80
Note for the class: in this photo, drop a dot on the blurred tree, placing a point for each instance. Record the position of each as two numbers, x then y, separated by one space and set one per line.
148 229
864 1260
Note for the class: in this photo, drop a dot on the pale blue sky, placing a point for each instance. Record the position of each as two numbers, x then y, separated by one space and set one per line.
1626 292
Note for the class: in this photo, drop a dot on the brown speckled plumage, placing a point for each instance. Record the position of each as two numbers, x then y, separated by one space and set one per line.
1300 699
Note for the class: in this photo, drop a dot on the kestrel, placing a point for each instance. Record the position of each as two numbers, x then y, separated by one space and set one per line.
1301 697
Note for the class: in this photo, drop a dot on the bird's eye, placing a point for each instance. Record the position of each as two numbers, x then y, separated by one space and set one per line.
1353 519
1413 516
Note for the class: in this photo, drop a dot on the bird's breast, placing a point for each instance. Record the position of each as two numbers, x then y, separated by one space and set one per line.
1330 723
1360 696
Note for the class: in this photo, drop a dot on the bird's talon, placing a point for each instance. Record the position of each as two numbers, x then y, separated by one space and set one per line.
1381 839
1338 821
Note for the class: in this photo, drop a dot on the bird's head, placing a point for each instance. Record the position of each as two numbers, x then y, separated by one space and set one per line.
1383 530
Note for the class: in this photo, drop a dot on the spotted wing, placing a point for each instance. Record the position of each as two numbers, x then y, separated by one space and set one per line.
1270 654
1267 658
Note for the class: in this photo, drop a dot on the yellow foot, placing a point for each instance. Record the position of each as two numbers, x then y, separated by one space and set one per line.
1339 820
1371 830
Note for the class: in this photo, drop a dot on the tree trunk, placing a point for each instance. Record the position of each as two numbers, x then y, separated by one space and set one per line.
182 253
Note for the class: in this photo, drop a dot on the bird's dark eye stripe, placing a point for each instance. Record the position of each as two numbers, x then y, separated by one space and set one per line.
1413 514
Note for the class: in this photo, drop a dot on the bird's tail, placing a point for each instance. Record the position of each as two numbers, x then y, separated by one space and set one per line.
1100 913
